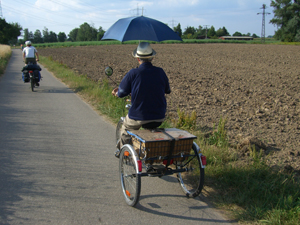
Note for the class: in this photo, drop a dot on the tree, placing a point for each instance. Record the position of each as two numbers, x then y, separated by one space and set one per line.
9 32
49 37
287 19
222 32
46 35
100 33
237 34
61 36
26 34
255 36
73 34
52 37
37 37
211 32
178 30
189 33
86 33
200 33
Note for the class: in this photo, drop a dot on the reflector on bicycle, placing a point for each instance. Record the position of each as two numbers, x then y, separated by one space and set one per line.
140 165
203 160
128 193
126 153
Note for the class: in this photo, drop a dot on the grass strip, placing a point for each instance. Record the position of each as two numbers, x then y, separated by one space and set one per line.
185 41
5 54
253 192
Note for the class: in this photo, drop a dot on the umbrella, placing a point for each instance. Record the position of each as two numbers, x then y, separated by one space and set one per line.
140 28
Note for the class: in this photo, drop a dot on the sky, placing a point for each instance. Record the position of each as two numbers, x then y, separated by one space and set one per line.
65 15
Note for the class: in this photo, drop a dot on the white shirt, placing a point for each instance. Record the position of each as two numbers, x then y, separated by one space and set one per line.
29 52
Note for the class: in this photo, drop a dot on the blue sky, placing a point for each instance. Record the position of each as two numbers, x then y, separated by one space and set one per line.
65 15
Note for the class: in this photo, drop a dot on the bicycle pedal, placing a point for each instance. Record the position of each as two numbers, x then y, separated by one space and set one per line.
117 153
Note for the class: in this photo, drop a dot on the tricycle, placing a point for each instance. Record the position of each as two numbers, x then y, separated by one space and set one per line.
157 152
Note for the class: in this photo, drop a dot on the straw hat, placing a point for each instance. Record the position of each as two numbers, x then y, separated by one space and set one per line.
143 51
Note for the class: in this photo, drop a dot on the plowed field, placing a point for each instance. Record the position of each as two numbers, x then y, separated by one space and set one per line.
255 86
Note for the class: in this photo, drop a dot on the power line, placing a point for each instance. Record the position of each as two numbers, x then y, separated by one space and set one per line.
47 11
28 15
263 23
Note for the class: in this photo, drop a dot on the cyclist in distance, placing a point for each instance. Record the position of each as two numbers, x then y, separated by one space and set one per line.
30 53
147 85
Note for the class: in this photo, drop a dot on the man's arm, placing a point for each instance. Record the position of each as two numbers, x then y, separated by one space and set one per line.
37 56
125 86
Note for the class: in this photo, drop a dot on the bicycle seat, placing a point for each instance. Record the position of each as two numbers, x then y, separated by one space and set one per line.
151 125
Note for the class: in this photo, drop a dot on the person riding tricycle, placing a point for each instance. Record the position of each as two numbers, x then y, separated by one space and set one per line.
147 85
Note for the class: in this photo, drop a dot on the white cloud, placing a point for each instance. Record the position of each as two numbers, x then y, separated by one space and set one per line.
176 3
58 6
140 3
49 5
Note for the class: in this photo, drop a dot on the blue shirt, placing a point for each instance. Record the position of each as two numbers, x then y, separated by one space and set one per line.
148 85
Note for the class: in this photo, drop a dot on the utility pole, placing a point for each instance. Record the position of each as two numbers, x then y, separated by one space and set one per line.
1 15
173 23
206 30
138 10
263 23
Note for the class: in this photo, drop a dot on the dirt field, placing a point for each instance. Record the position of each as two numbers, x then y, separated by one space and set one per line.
255 86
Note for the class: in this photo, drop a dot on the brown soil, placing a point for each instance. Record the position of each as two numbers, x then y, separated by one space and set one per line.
255 86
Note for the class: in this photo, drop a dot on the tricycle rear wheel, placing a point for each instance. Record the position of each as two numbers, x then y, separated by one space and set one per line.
192 180
130 178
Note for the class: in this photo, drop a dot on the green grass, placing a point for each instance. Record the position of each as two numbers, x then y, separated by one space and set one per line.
249 190
185 41
5 54
255 193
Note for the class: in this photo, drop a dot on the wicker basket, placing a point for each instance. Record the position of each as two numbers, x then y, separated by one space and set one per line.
155 146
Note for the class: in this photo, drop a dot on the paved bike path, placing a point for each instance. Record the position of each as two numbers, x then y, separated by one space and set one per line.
57 164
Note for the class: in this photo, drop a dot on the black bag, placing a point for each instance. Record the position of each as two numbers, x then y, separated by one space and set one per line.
26 76
35 68
36 75
32 67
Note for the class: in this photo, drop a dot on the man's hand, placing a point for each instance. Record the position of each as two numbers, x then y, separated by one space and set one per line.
115 92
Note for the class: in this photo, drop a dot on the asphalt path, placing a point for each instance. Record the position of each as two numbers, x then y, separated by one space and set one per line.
57 164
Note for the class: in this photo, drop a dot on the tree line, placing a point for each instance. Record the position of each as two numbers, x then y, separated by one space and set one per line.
201 32
85 32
